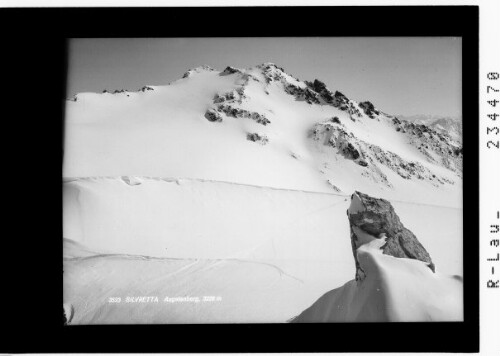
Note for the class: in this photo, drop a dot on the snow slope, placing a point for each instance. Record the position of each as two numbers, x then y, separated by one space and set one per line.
219 291
164 132
395 289
139 236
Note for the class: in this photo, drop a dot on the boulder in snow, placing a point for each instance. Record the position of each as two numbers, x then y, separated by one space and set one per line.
370 216
386 288
213 116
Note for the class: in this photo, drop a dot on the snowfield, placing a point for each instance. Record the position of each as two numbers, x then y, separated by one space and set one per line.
173 215
174 238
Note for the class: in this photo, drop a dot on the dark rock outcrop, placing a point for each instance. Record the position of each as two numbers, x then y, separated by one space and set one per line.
234 96
377 218
373 157
219 98
235 112
272 73
230 70
255 137
317 92
302 94
340 100
213 116
320 88
437 147
144 88
335 120
349 151
369 109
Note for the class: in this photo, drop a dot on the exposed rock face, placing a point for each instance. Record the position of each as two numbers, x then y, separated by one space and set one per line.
340 100
234 96
212 115
302 94
144 88
436 146
230 70
338 138
335 135
369 109
219 98
272 72
317 93
235 112
320 88
377 218
255 137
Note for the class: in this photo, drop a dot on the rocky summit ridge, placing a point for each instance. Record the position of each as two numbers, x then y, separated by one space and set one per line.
435 145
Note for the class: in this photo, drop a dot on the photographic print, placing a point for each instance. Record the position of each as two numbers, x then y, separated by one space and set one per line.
263 180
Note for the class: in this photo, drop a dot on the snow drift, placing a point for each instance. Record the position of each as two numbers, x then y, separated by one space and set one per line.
388 286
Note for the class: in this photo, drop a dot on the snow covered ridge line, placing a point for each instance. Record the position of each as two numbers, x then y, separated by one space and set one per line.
137 180
143 89
315 92
312 92
395 277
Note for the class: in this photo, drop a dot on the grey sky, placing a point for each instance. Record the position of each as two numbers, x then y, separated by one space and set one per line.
400 75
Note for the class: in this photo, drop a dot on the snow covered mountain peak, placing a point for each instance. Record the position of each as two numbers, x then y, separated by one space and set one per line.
239 125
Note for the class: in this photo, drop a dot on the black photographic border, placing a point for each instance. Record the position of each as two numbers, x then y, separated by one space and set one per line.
34 43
